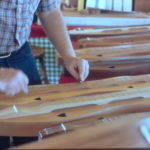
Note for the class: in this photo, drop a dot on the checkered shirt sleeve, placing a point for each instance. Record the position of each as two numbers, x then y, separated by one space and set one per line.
48 5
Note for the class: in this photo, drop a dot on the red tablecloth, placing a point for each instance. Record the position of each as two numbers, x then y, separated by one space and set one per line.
66 79
37 31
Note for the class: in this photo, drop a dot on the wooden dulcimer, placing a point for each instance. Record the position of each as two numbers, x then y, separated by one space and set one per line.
116 60
115 40
130 131
78 33
47 105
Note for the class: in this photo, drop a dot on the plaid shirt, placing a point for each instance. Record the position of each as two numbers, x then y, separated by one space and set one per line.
16 18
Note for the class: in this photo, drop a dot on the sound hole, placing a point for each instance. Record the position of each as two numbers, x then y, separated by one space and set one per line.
130 87
38 99
101 118
141 81
112 67
62 115
100 55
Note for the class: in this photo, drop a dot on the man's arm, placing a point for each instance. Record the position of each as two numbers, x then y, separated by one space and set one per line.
56 31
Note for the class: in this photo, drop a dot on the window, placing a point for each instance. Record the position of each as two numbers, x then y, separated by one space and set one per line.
117 5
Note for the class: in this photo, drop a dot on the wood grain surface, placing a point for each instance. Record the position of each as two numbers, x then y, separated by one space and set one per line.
48 105
123 132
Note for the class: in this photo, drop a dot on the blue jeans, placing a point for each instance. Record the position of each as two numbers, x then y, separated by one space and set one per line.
23 60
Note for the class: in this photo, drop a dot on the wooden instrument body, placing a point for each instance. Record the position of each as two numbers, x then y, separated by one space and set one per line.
90 37
49 105
114 52
113 40
115 61
122 133
80 100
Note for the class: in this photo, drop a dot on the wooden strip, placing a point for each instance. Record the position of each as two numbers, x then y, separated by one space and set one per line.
106 14
106 71
113 40
114 50
125 129
43 120
76 102
22 126
123 60
109 31
110 109
100 53
50 92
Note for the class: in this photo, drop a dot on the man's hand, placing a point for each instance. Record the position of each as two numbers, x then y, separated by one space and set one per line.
58 34
13 81
77 67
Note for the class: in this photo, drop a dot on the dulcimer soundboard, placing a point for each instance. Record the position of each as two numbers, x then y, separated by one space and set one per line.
107 113
108 31
130 131
115 40
114 61
115 52
69 11
48 105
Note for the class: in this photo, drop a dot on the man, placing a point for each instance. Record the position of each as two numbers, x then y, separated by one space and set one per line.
17 65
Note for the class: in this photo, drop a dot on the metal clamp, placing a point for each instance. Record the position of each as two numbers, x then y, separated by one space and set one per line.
54 130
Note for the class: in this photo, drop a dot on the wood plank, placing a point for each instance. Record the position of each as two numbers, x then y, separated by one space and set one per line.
75 94
26 127
110 31
142 5
112 40
116 60
127 131
107 52
49 106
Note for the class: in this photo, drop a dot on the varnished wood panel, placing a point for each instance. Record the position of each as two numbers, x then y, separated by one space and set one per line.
43 106
142 5
118 133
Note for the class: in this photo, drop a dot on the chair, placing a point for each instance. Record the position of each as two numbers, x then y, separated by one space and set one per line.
38 53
